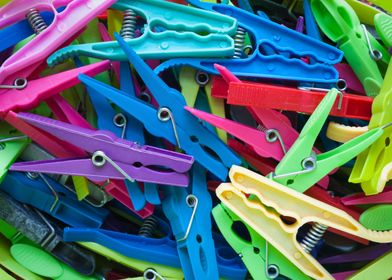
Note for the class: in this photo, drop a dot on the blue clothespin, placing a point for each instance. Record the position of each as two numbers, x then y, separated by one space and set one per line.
170 121
47 195
274 45
162 251
311 25
189 213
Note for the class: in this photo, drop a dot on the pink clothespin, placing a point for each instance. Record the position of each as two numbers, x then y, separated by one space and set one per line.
65 25
351 80
361 198
30 93
106 38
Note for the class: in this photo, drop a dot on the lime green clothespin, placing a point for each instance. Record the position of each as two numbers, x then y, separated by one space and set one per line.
369 166
378 269
300 168
12 144
138 265
194 82
340 23
262 260
10 264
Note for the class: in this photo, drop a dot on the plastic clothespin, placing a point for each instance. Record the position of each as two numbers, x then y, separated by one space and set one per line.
25 95
115 188
47 195
251 196
65 25
193 83
188 212
345 29
383 4
168 43
364 11
273 46
261 259
107 156
300 168
298 100
348 77
38 229
143 252
372 168
170 121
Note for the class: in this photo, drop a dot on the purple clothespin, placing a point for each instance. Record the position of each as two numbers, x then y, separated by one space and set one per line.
300 24
111 157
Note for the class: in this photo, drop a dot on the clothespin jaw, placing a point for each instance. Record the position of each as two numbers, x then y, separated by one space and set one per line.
189 215
252 196
300 169
372 168
254 252
171 41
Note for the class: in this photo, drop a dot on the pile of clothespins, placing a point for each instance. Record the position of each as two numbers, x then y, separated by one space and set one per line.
151 139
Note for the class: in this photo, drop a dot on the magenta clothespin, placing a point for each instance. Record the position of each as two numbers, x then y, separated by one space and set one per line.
32 92
65 25
361 198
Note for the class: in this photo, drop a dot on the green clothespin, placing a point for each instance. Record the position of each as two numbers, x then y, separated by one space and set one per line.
378 269
164 271
10 264
12 144
41 263
192 84
340 23
262 260
300 168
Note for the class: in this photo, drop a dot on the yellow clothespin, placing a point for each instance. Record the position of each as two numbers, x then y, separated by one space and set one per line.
277 213
364 12
371 163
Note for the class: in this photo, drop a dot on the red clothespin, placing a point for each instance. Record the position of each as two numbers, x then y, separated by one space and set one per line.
303 100
360 198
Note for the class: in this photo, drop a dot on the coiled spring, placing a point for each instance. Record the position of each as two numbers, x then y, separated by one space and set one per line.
129 24
148 227
239 42
313 236
36 21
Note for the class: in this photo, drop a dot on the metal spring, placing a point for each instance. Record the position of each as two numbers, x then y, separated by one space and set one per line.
313 236
129 24
239 42
148 227
36 21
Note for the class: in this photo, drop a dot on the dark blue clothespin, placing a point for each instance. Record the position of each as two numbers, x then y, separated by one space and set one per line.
276 52
32 224
189 213
170 121
47 195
